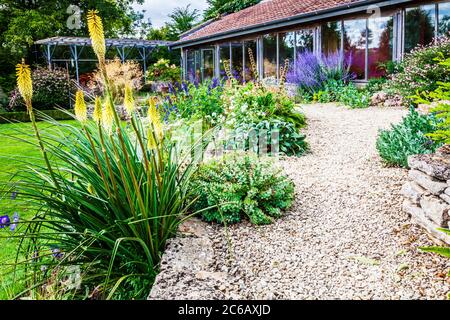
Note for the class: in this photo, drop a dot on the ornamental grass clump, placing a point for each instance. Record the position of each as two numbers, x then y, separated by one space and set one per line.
106 203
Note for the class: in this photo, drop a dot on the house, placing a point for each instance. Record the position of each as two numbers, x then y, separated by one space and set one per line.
369 32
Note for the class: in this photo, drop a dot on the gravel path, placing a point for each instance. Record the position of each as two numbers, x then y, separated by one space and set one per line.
345 238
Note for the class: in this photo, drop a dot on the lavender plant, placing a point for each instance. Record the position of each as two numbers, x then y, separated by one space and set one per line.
311 73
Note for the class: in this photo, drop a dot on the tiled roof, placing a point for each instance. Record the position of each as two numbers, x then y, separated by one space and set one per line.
264 12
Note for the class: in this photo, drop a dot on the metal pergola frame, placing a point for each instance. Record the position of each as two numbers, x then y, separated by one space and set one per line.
77 44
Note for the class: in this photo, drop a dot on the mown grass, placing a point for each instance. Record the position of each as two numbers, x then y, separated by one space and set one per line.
18 146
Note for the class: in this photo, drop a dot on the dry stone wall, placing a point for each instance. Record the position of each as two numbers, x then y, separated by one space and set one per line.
427 192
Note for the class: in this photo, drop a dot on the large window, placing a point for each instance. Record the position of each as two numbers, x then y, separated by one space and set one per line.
270 55
420 26
444 18
237 60
193 65
287 47
207 64
224 55
249 70
304 40
331 37
355 46
380 37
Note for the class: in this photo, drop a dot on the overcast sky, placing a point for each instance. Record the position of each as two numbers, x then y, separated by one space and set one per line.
157 10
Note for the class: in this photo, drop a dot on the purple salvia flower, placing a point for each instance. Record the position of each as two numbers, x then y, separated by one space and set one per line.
4 221
56 252
13 225
14 195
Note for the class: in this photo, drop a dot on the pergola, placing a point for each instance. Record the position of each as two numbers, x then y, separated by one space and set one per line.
123 48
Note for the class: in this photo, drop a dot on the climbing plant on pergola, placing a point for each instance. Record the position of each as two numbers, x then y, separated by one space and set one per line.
120 47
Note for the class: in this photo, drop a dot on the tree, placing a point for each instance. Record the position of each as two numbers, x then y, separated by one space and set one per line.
22 22
219 7
182 19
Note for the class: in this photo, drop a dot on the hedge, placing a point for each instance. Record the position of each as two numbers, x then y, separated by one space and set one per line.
22 116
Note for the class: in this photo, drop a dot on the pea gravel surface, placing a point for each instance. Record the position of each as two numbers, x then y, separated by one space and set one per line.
345 237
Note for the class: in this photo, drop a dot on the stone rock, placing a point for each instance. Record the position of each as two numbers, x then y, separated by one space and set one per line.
436 210
445 197
447 191
412 209
433 185
413 191
204 275
417 215
193 226
434 165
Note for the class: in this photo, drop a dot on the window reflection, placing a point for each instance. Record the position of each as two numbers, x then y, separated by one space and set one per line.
305 41
207 64
287 47
249 74
419 26
380 37
237 60
331 37
444 18
270 56
355 46
224 55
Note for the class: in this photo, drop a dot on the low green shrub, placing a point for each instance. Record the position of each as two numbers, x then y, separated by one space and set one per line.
22 116
407 138
344 93
290 142
252 104
241 185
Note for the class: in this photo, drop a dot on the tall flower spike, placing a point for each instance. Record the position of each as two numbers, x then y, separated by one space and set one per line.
151 143
80 106
129 100
155 119
108 116
97 35
25 83
97 114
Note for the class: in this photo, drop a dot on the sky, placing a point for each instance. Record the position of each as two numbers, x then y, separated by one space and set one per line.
157 10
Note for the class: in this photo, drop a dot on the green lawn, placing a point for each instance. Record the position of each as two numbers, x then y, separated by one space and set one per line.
14 150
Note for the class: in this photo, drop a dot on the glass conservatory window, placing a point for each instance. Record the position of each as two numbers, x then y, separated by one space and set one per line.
419 26
224 55
237 60
355 46
287 47
331 37
380 38
305 41
270 56
248 71
444 18
193 65
207 64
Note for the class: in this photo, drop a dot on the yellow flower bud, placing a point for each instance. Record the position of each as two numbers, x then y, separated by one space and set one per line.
97 115
108 116
97 35
24 83
80 106
129 99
